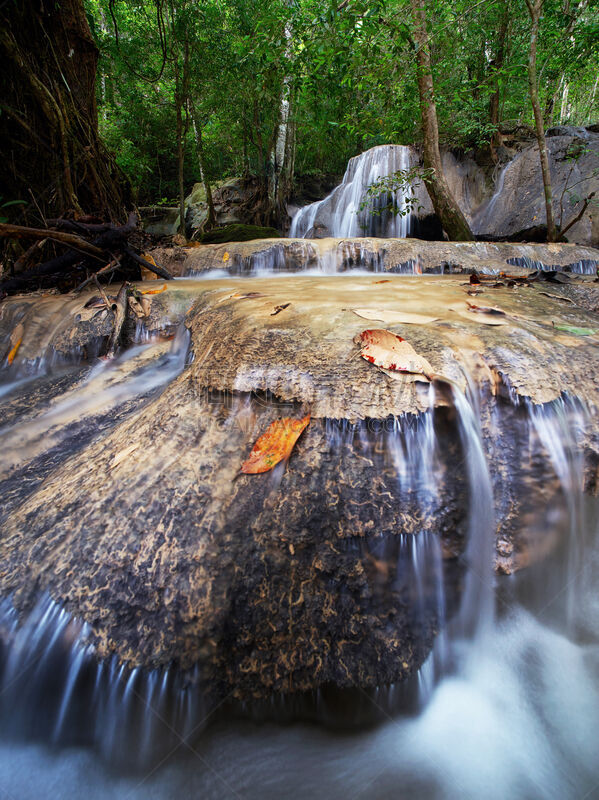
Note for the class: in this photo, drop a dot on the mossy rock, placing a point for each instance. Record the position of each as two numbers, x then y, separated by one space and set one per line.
239 233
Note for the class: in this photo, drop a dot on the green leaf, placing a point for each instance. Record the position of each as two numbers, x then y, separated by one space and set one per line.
575 330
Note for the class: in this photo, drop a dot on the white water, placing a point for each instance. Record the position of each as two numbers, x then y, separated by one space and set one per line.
340 213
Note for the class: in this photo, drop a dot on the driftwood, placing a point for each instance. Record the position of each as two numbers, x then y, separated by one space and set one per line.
107 241
119 318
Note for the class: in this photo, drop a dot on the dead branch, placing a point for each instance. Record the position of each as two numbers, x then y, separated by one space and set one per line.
22 232
160 271
578 217
119 319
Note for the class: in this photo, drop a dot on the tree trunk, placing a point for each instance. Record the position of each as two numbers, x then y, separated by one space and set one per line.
48 116
197 131
279 183
180 164
497 65
535 8
452 219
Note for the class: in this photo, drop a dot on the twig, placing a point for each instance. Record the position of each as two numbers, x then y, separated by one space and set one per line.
24 259
578 217
107 302
108 268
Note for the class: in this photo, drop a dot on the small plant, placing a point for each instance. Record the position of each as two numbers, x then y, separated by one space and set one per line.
9 203
405 181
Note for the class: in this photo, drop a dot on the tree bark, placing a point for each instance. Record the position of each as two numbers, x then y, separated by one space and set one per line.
48 121
180 164
197 131
497 65
452 219
535 8
279 173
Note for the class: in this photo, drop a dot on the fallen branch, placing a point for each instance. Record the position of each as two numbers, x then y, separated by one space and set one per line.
108 268
21 232
160 271
106 243
81 227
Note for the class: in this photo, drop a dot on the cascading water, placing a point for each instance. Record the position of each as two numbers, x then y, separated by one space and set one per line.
340 213
503 695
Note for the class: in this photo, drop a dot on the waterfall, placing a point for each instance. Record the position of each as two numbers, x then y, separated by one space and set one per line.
340 213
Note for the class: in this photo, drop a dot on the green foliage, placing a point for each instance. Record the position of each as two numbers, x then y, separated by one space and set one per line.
352 73
384 189
10 204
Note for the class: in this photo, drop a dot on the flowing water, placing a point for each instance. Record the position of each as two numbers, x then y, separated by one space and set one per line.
505 705
341 212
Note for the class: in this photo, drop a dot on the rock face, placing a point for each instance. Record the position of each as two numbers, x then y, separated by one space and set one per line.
516 209
237 201
127 505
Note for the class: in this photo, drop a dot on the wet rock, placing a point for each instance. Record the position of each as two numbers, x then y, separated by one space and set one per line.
327 570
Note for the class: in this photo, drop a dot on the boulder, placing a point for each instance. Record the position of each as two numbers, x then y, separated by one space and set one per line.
516 209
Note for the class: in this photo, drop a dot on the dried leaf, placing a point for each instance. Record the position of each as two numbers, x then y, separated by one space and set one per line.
86 314
147 274
484 319
98 302
575 330
16 338
242 296
557 297
278 309
153 291
225 257
393 317
485 309
389 351
149 258
141 307
474 279
384 281
274 445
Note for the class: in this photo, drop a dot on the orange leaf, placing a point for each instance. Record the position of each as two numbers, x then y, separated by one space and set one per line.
16 337
153 291
274 445
11 356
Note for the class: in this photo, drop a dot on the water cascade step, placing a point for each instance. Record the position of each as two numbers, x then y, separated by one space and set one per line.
341 212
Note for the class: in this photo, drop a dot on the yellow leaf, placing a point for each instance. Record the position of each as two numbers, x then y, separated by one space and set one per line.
226 257
149 258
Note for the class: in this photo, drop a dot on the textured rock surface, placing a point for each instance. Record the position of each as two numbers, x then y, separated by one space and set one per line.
133 515
384 255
